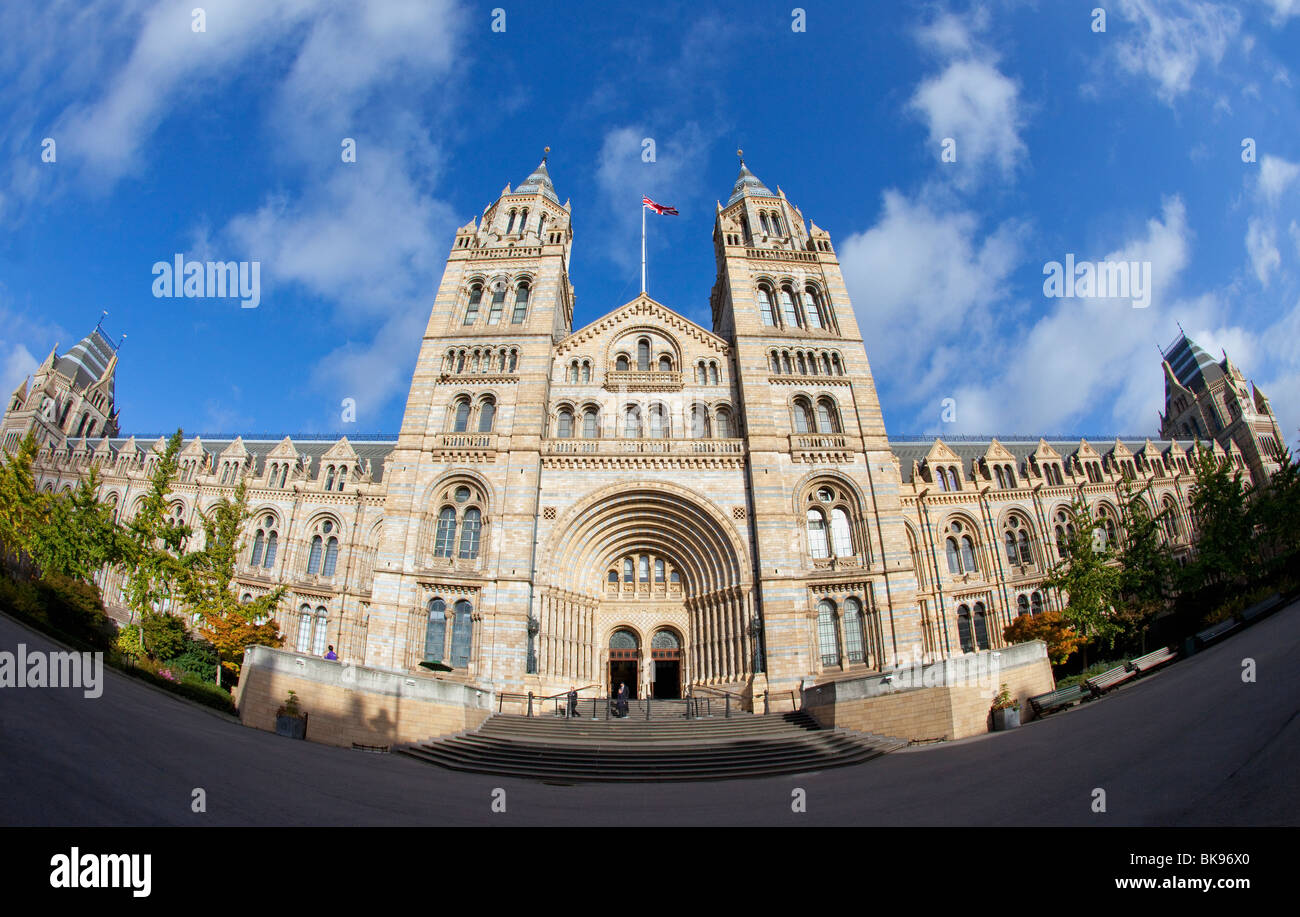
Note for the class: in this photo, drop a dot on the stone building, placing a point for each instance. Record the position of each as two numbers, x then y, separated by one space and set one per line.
643 499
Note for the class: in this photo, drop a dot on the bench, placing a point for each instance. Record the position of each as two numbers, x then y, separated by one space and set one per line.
1054 700
1152 660
1210 634
1100 684
1259 609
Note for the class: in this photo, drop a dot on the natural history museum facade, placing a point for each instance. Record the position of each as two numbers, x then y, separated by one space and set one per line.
644 499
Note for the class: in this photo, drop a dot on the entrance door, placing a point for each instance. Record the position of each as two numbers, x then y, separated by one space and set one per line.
668 678
623 671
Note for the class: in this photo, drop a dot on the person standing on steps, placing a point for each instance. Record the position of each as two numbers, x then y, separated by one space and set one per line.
622 699
573 702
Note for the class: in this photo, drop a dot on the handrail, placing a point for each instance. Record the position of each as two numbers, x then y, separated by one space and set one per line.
594 684
717 691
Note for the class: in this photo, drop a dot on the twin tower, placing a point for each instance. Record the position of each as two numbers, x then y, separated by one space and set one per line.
641 500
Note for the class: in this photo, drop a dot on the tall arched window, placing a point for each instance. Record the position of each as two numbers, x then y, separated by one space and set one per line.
271 543
632 422
842 533
854 631
446 532
643 567
803 416
722 425
665 364
329 478
967 554
954 558
713 373
828 639
812 308
303 644
762 220
313 559
964 629
521 305
461 635
699 421
767 305
259 543
1036 603
322 627
629 572
475 300
498 303
331 557
510 224
590 425
586 370
469 533
1022 606
981 626
643 355
461 423
435 631
658 421
818 546
789 311
487 413
828 420
564 426
621 364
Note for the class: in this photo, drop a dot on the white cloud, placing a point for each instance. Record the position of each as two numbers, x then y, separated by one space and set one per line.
1282 9
1261 245
1173 39
1275 176
16 364
970 101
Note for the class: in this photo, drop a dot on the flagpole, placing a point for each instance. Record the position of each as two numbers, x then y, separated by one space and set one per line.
643 249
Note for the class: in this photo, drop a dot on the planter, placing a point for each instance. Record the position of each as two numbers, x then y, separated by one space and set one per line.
1006 719
291 727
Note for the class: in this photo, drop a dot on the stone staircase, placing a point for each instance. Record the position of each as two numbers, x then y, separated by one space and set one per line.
635 749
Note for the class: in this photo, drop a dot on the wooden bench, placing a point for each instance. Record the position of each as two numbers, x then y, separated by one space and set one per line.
1260 609
1100 684
1210 634
1061 697
1152 660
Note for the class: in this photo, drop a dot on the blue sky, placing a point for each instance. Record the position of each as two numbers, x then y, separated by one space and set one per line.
224 144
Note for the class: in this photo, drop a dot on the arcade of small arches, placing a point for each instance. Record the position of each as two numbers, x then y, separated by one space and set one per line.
471 360
785 305
650 419
478 287
806 363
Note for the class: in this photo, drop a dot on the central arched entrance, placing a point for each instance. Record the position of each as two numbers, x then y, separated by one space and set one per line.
661 563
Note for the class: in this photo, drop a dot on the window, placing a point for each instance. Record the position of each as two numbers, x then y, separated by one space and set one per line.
313 560
258 545
658 421
629 573
329 478
469 533
713 374
446 532
665 364
435 631
954 559
841 533
981 627
828 640
498 303
789 311
564 427
461 635
767 306
586 371
828 420
699 421
812 309
1022 606
643 567
510 225
304 629
1036 603
475 299
818 546
854 631
322 621
632 422
461 423
659 570
487 413
643 356
271 543
521 305
964 629
762 220
803 419
590 426
723 424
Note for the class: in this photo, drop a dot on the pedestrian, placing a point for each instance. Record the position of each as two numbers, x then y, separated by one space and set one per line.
331 654
622 699
573 702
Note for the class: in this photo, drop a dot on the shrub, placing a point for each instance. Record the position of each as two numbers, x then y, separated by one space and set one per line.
164 635
199 661
128 640
1050 627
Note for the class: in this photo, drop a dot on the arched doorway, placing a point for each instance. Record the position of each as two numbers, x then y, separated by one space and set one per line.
665 668
624 661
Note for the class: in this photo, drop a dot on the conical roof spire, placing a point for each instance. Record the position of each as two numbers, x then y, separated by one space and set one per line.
539 182
747 183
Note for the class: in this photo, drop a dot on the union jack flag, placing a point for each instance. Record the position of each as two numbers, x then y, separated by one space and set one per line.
661 209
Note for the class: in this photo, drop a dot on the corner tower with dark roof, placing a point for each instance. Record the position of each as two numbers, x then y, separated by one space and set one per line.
69 397
1207 400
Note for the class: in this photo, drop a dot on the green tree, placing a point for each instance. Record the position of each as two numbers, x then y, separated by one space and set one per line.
1089 578
209 589
1275 513
22 509
1147 566
76 533
153 544
1226 553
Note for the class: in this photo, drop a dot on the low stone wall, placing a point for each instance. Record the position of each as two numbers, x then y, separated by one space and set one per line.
943 700
351 704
